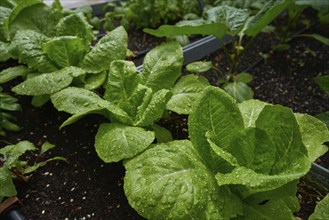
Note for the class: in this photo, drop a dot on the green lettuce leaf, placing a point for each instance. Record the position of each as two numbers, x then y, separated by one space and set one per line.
185 92
13 72
169 181
115 142
112 46
65 51
321 211
162 66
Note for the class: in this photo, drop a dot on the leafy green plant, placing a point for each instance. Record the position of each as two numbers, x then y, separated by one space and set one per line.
8 103
321 211
132 102
146 13
243 161
234 22
12 167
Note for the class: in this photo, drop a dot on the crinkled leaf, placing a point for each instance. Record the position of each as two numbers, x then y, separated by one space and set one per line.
250 111
4 52
154 108
113 46
216 113
169 181
34 15
189 28
13 72
27 46
239 91
75 25
122 81
233 18
115 142
199 66
162 66
321 211
314 134
47 83
65 51
185 92
75 100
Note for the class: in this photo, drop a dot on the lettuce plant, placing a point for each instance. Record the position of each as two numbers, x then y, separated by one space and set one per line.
235 22
132 102
242 161
11 166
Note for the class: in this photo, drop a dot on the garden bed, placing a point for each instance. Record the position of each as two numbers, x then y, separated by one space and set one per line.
88 188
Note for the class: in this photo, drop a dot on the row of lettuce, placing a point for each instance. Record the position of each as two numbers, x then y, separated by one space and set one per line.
243 158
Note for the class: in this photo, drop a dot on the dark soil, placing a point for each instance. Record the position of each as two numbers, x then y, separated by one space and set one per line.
87 188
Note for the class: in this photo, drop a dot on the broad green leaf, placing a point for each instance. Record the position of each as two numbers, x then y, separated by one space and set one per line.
94 81
47 83
162 66
244 77
27 46
40 100
232 18
321 211
65 51
13 72
153 109
162 134
190 27
215 113
34 15
250 111
115 142
265 16
75 25
323 82
13 152
185 92
113 46
8 102
4 17
122 81
314 134
239 91
46 147
75 100
199 66
282 128
169 181
4 52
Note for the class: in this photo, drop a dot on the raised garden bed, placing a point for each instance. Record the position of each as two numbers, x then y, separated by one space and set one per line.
87 187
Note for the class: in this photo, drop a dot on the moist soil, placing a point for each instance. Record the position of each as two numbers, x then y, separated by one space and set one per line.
88 188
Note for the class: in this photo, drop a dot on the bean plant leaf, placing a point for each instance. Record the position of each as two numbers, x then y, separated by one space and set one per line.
189 28
65 51
165 183
27 46
115 142
265 16
112 46
233 18
13 72
75 25
162 66
185 92
239 90
321 211
48 83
